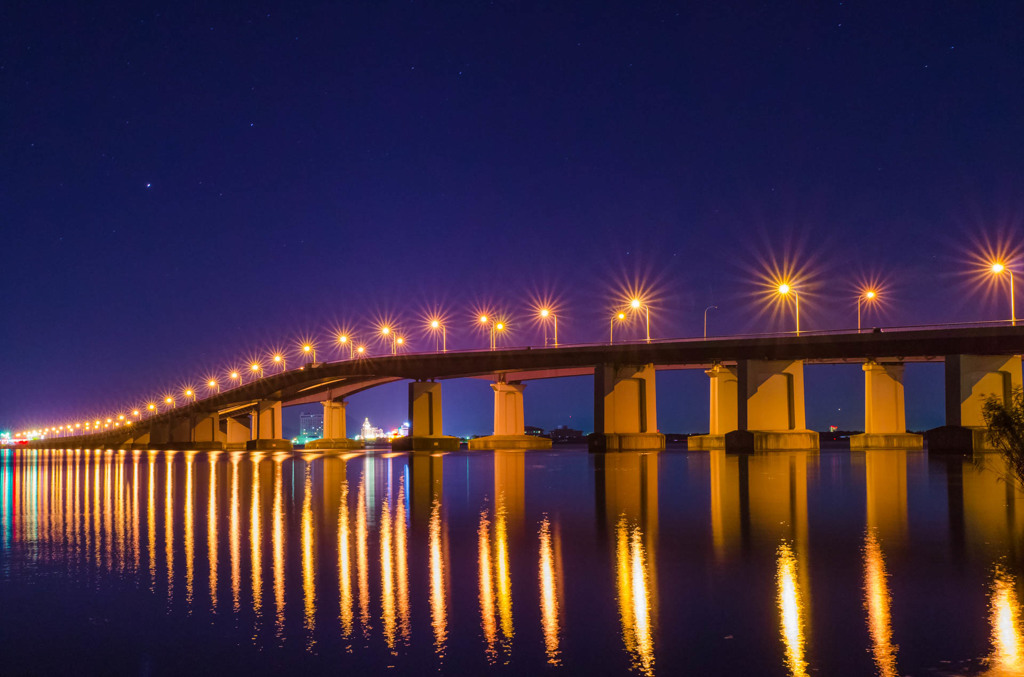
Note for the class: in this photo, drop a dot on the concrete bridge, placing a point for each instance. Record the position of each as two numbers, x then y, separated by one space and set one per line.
756 393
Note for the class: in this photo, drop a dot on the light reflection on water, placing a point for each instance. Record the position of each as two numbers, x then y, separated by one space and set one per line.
644 563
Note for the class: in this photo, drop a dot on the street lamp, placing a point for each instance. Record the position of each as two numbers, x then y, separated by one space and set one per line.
497 327
637 304
213 384
484 320
620 316
310 350
279 359
235 376
868 295
545 313
343 340
256 368
151 407
170 400
386 332
997 269
434 326
706 319
189 393
785 290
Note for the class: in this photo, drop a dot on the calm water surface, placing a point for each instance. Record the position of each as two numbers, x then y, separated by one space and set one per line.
560 562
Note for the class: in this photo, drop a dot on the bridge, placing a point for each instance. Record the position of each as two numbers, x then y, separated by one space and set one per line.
756 393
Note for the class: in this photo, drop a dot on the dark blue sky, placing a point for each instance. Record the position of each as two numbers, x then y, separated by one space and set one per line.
182 187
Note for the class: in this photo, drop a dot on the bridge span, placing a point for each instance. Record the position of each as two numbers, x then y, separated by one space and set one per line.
756 392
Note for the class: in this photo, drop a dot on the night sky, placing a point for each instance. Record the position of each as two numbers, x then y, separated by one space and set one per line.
183 187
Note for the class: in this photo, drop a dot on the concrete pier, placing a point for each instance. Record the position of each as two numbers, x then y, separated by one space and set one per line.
625 409
970 380
425 420
509 427
723 409
267 434
885 422
335 432
770 415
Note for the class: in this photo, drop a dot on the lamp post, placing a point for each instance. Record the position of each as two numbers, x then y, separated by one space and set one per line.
170 400
344 340
236 376
310 350
785 290
387 333
151 407
706 319
434 326
484 320
279 360
545 313
997 269
213 384
637 304
620 316
867 295
256 368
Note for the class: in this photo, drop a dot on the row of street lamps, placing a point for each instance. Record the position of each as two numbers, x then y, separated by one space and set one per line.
494 327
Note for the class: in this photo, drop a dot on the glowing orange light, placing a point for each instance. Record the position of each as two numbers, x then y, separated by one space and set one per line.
998 268
499 326
385 330
399 340
870 294
544 312
635 303
135 412
621 316
360 350
120 417
306 348
189 393
342 339
234 374
168 400
277 358
784 288
483 319
212 383
151 406
434 324
255 367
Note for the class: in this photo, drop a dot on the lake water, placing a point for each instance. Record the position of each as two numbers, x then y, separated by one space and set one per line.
555 562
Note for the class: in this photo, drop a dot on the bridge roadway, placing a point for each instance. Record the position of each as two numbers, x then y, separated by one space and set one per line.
336 380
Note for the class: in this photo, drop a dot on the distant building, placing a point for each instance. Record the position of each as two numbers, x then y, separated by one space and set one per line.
311 426
563 434
533 430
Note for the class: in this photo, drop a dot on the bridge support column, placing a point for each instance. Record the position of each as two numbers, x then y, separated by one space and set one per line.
335 436
509 427
625 409
235 433
970 380
770 412
425 421
723 409
266 428
204 432
885 422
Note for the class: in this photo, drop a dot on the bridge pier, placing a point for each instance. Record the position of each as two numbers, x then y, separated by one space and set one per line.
625 409
724 408
425 421
235 433
770 411
335 435
885 421
509 426
204 432
266 428
970 380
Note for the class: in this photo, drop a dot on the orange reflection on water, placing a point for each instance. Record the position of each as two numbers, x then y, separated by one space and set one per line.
791 609
190 541
1005 618
308 581
632 569
402 561
438 580
344 564
235 535
387 577
151 520
211 529
878 602
488 621
169 523
549 593
256 538
277 538
362 558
